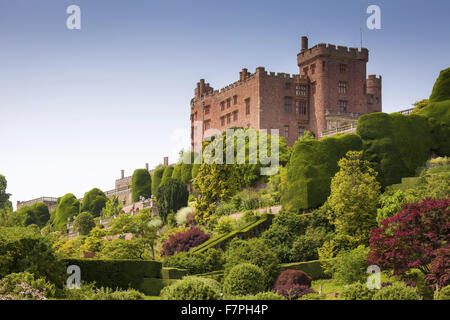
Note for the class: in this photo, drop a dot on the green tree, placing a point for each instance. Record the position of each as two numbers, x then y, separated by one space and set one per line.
4 197
354 198
84 223
94 201
419 105
120 249
68 207
171 196
156 179
112 207
141 185
37 214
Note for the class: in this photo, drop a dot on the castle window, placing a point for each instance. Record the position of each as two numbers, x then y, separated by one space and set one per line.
377 100
323 65
228 118
300 90
301 131
300 107
222 121
235 99
222 105
207 124
207 109
305 70
235 115
287 85
286 131
228 102
342 68
287 104
313 69
247 106
342 87
342 106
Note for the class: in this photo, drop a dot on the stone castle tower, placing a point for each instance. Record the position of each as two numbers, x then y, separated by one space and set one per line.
328 95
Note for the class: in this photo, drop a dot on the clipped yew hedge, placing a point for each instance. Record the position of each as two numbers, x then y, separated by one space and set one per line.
312 165
113 274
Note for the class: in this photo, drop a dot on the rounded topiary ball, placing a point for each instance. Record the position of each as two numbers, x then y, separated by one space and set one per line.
357 291
244 279
191 288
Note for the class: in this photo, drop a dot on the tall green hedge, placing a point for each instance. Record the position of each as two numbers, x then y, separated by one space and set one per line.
312 165
398 144
68 207
167 174
113 274
141 185
156 179
438 114
94 201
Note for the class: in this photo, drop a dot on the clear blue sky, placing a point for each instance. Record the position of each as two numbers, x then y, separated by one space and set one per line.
79 105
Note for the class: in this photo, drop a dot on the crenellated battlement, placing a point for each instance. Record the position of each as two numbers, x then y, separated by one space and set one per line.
245 77
323 49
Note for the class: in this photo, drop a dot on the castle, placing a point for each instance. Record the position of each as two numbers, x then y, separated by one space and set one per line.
328 96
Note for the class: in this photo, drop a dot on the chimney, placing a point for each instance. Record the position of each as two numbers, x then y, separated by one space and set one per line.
304 43
122 174
243 74
166 161
146 166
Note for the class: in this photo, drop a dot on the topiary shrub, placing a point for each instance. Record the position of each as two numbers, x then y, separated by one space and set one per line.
156 178
68 207
254 251
171 196
440 268
190 288
443 294
110 294
259 296
141 185
244 279
293 284
94 201
312 165
357 291
397 292
183 241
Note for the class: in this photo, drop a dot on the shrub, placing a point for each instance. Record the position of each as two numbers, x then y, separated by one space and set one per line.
419 228
22 250
243 279
37 214
305 247
122 274
110 294
443 294
312 165
68 207
357 291
172 195
183 241
350 266
191 288
268 296
440 268
225 209
253 251
156 179
208 261
397 292
250 216
122 249
312 296
293 284
25 286
94 201
141 185
84 223
182 215
224 225
167 174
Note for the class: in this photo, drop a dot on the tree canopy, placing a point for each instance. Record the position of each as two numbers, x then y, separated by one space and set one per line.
141 185
94 201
